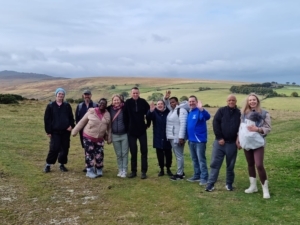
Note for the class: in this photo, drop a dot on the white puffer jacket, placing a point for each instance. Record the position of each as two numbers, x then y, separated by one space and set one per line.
176 125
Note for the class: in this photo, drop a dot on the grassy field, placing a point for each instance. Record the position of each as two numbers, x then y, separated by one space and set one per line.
28 196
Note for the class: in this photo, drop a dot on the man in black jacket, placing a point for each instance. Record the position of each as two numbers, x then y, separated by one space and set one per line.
226 126
59 121
136 109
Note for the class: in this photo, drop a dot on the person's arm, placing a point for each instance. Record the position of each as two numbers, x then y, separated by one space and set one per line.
71 117
48 119
266 127
84 120
217 121
182 121
147 106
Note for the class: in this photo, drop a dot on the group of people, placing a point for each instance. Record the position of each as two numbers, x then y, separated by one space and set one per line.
124 123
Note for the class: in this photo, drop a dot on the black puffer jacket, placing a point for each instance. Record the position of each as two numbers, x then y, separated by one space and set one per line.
226 123
159 122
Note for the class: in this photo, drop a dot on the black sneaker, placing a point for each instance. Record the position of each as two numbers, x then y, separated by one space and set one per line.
143 176
176 177
210 187
229 187
63 168
84 170
132 175
47 169
161 173
183 175
170 174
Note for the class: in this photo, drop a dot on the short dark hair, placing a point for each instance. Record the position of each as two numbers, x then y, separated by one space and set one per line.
102 99
175 98
135 88
193 96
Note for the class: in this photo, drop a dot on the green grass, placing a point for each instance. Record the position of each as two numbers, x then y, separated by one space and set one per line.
28 196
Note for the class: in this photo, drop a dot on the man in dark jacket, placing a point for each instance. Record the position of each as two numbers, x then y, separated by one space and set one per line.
81 110
59 121
136 109
226 126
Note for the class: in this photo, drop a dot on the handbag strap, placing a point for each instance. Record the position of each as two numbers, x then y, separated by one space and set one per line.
116 115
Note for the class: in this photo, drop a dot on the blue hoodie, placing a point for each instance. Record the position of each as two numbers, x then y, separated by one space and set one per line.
196 125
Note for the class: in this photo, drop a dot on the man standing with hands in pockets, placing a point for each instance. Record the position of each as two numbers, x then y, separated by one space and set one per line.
226 126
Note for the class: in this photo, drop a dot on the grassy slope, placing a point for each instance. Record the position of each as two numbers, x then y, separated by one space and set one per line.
29 196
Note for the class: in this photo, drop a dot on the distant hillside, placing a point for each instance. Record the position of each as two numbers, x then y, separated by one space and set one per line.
10 75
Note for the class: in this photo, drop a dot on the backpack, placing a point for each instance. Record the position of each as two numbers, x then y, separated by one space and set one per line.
178 111
80 106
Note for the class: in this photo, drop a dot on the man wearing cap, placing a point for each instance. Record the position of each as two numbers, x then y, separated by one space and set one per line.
81 110
59 121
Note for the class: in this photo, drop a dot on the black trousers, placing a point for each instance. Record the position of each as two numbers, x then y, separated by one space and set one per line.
132 140
164 157
59 147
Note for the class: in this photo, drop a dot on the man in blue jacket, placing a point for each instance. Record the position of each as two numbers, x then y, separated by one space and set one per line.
226 124
197 137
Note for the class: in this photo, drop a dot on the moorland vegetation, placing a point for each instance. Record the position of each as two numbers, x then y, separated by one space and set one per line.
29 196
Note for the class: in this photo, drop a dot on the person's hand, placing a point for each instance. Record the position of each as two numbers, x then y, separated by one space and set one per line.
152 106
252 128
221 141
181 141
69 128
238 144
108 142
49 135
199 105
168 94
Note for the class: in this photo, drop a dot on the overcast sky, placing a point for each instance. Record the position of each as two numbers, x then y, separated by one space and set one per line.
222 40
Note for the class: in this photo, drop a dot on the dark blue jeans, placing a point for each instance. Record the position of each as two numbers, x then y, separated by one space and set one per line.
197 151
218 153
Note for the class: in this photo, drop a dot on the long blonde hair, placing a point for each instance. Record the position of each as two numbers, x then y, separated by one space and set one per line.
118 96
246 108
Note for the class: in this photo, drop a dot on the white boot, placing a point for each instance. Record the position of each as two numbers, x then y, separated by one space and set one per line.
266 189
253 186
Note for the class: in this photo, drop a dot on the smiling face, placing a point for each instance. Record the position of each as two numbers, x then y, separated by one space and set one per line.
160 105
231 101
193 102
102 105
116 101
135 94
173 103
252 102
60 96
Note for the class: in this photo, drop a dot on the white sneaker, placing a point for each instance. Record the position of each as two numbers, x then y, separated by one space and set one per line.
123 174
90 173
120 173
99 172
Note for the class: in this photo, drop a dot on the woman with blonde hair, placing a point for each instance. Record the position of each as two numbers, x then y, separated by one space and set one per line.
119 125
257 120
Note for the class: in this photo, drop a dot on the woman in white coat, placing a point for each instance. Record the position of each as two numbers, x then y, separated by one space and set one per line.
176 131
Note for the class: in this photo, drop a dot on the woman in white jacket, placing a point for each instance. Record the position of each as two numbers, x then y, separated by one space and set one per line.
176 130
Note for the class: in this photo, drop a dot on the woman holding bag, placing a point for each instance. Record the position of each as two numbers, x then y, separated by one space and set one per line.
119 123
259 121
